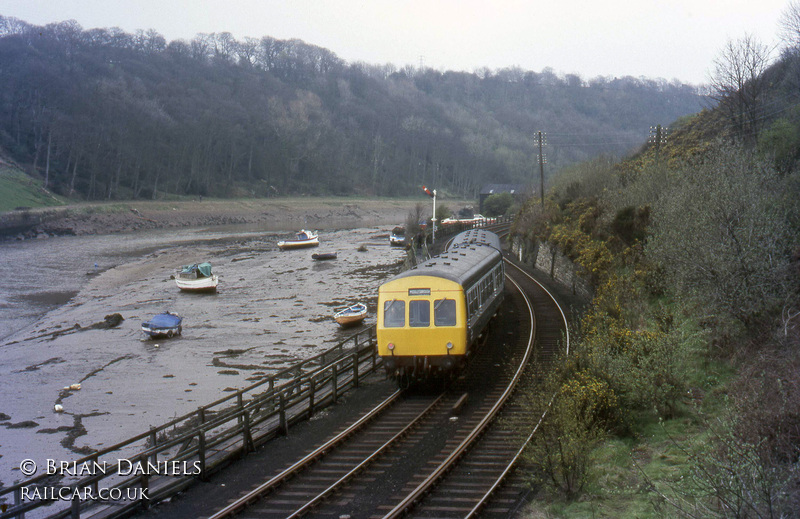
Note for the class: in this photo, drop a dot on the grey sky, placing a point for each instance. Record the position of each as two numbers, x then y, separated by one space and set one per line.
670 39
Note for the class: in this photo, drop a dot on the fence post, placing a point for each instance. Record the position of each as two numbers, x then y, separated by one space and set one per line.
283 426
18 501
201 438
96 483
154 442
312 388
335 381
145 484
244 419
75 507
247 437
355 368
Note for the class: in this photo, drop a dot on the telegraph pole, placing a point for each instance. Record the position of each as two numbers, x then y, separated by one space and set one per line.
541 137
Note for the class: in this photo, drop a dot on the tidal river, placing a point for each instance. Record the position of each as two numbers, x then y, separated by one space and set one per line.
272 308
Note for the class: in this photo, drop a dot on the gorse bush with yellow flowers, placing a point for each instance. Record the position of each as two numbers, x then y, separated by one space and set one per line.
583 408
632 353
695 273
637 346
628 358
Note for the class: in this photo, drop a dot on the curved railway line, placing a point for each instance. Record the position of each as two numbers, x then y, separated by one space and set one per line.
432 453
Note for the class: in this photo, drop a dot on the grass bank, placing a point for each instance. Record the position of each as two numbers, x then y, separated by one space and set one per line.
18 190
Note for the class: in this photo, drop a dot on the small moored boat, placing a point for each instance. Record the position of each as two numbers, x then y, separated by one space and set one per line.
352 315
324 256
163 325
398 237
303 239
197 278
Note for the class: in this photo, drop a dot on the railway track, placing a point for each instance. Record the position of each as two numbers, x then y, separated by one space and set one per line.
427 453
473 487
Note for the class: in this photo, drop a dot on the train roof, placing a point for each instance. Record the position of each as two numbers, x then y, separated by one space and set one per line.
463 260
475 236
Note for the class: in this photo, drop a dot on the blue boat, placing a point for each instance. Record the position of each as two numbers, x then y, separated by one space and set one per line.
163 325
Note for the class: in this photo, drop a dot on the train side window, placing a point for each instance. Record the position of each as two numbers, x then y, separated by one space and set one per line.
444 312
394 314
473 299
419 313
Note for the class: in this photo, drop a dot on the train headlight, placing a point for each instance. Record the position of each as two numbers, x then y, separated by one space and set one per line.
449 346
390 346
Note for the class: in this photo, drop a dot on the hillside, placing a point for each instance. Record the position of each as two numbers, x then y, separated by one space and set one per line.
681 395
102 114
18 190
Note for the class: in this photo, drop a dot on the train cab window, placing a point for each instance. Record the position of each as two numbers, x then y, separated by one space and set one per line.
394 314
419 313
444 312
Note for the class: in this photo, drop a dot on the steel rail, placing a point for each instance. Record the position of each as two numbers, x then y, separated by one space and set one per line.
482 502
369 459
257 493
443 467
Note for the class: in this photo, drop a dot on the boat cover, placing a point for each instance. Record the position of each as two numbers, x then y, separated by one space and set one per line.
165 320
203 269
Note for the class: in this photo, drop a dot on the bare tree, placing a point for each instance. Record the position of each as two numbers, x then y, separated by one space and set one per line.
738 84
722 233
11 25
789 24
247 51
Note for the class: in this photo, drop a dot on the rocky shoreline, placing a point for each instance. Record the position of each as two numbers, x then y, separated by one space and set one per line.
271 214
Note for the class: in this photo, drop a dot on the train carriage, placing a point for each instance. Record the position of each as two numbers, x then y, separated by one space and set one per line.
429 317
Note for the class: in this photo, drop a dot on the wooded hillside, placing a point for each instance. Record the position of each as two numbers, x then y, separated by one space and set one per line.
102 114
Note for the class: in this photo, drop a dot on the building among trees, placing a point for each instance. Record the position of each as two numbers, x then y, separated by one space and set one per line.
515 190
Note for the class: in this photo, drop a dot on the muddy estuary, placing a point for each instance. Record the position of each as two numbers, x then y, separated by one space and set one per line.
272 308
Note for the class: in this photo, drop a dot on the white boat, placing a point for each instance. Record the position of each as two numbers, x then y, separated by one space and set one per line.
304 239
398 237
351 315
197 278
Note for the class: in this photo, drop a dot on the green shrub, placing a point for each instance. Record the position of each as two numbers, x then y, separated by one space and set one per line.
576 422
498 204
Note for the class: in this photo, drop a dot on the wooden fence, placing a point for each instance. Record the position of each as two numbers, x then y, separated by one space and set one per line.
197 444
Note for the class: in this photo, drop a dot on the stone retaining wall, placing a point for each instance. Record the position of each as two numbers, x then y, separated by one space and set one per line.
548 259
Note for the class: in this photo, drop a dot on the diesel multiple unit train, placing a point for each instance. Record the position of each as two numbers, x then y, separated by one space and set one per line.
430 316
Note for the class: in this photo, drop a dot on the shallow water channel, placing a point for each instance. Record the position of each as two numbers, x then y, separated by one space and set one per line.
272 308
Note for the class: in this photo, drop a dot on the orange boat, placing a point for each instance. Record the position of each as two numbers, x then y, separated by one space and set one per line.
352 315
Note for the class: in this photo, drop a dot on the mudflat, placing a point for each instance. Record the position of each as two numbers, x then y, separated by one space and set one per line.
270 214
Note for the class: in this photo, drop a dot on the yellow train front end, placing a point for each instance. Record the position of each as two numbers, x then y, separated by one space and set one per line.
422 326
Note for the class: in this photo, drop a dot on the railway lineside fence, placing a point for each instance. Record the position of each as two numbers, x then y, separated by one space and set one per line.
156 464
